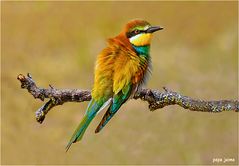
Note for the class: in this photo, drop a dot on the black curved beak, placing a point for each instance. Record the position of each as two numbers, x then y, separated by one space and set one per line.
153 29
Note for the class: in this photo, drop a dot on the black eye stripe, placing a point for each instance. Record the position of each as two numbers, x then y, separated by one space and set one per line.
133 33
139 31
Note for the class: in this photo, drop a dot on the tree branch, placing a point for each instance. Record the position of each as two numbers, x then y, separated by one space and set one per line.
155 98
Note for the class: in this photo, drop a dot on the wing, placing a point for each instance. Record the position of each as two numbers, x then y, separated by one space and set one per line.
128 74
103 82
116 103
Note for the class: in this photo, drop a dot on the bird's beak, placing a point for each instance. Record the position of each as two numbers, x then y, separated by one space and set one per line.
153 29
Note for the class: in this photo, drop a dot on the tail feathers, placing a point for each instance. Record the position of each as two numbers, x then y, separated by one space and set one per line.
117 102
79 132
114 107
107 116
91 111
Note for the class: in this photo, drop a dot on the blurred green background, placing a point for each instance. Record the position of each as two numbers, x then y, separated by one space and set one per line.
57 42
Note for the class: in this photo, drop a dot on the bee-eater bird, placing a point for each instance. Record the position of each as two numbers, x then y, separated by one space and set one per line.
121 69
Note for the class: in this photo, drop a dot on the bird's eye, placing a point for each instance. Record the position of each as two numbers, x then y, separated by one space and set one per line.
136 31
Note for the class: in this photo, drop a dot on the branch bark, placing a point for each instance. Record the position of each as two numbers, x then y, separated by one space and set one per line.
155 98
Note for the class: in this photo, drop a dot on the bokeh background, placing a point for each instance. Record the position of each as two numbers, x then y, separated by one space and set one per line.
57 42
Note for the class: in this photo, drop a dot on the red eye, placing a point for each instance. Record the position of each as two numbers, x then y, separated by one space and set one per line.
136 31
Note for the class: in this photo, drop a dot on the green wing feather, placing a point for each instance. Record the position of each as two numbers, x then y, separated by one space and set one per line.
117 102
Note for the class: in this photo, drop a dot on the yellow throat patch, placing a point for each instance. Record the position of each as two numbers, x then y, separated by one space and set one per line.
141 39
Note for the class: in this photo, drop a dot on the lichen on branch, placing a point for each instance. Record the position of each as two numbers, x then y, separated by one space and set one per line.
155 98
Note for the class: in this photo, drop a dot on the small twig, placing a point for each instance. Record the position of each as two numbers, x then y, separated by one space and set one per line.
155 98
